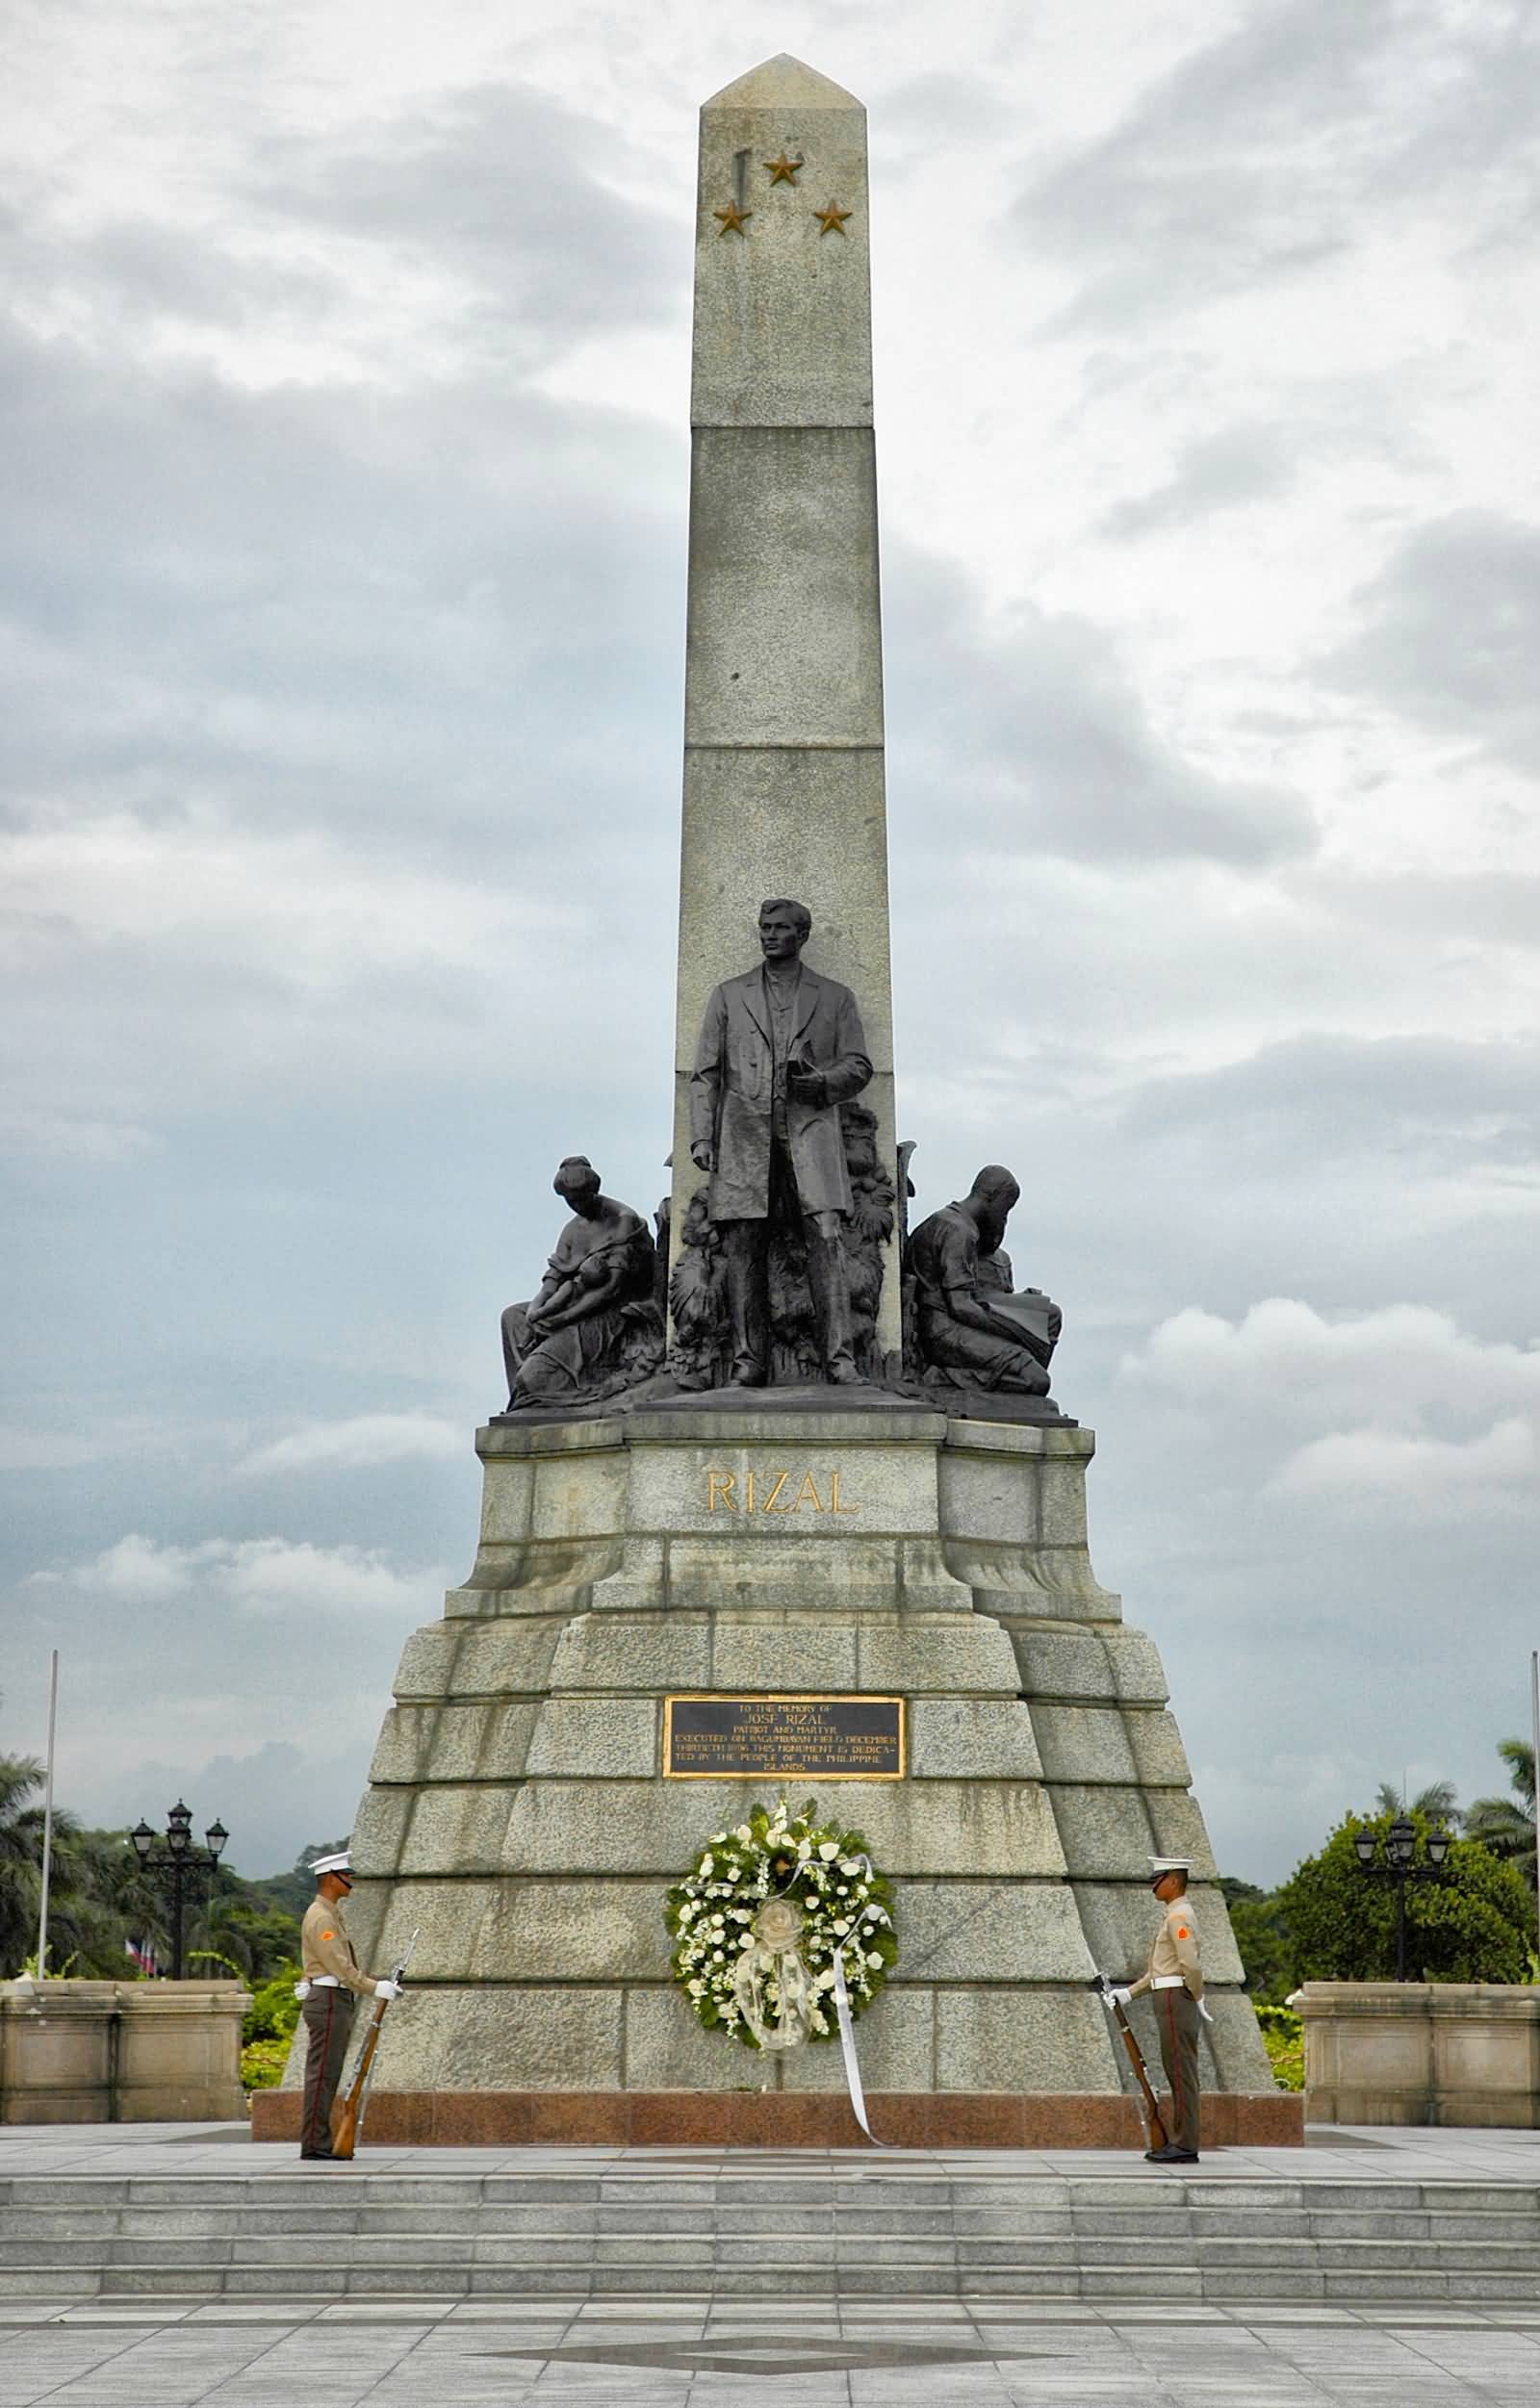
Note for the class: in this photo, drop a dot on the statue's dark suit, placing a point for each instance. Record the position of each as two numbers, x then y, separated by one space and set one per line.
732 1099
731 1095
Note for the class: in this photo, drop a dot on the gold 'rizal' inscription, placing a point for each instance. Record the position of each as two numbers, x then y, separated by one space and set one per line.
775 1491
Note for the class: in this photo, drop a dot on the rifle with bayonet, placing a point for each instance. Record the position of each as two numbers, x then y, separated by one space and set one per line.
1158 2137
348 2109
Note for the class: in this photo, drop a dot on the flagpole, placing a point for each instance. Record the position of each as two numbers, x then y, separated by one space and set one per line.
48 1819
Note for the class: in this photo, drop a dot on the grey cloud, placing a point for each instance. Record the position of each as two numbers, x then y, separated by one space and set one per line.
1451 632
1255 156
274 599
1031 735
1239 464
1478 909
548 212
1428 1103
929 110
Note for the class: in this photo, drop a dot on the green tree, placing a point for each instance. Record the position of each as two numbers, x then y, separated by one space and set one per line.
1471 1925
1261 1937
1506 1824
257 1937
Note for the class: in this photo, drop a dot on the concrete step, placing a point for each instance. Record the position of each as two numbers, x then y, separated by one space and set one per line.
352 2232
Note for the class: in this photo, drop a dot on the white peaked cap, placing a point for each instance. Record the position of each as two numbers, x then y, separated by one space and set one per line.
341 1863
1160 1866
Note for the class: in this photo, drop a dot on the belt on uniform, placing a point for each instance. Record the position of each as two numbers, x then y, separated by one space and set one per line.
1165 1982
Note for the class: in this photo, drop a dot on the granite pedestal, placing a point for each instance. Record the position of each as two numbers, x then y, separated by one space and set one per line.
519 1812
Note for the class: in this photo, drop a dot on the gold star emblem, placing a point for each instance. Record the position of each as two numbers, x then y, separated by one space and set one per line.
783 170
832 219
732 217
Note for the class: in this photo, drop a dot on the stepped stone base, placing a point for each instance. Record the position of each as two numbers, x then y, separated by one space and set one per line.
519 1815
988 2119
1353 2224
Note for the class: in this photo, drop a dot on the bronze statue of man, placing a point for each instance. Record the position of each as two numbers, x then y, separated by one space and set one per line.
972 1332
592 1327
780 1050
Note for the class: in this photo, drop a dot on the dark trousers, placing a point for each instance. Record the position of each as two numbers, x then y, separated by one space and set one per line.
1176 2013
745 1258
328 2020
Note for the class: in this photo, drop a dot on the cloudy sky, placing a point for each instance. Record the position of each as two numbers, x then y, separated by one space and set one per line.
346 365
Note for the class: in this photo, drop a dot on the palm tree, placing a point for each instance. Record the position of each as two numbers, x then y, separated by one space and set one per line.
1436 1802
20 1858
21 1819
1506 1824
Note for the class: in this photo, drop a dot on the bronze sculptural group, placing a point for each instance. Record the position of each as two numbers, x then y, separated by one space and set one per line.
593 1327
971 1330
778 1267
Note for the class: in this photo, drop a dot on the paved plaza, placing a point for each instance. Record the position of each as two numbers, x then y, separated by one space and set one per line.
922 2354
777 2348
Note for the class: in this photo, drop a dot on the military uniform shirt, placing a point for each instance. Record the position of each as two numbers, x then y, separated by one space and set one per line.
324 1947
1175 1953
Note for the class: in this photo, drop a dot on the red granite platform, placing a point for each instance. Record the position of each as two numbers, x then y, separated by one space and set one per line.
985 2119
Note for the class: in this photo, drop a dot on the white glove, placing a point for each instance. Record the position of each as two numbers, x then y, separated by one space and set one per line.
1202 2009
387 1989
302 1990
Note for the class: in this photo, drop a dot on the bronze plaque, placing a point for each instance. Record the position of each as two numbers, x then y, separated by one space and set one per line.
793 1739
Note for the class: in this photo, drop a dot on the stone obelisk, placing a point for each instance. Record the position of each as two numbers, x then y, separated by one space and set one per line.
528 1805
783 789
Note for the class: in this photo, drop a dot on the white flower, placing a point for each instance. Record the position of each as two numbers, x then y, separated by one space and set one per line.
829 1851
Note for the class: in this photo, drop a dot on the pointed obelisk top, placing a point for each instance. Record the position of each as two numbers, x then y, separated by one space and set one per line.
783 306
783 83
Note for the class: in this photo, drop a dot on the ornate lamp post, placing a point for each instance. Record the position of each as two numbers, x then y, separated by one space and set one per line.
1401 1844
179 1869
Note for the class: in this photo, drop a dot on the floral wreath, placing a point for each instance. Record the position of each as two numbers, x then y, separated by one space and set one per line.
770 1916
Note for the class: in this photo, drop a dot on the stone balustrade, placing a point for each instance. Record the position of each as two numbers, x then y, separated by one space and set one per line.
1421 2053
121 2052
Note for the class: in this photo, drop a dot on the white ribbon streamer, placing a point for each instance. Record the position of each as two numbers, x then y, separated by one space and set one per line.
847 2027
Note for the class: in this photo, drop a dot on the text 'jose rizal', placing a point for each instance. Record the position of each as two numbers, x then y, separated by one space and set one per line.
776 1492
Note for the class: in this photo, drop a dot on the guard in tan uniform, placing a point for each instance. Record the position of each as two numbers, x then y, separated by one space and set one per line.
1175 1979
332 1982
